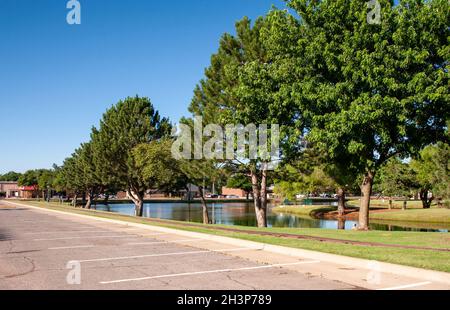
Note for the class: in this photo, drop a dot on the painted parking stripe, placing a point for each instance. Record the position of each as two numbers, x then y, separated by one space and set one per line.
165 254
94 237
86 237
72 247
165 242
68 231
210 271
404 286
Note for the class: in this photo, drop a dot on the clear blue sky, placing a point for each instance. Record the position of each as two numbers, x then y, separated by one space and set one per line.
56 80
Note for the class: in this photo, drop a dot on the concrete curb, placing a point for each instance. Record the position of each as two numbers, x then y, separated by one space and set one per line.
412 272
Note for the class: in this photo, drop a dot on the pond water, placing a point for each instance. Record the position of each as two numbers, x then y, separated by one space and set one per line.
243 214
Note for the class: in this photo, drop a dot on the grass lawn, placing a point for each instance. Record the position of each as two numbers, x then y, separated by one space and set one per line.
433 215
396 204
412 257
303 210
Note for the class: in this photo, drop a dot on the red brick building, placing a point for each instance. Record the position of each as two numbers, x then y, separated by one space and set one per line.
9 189
234 192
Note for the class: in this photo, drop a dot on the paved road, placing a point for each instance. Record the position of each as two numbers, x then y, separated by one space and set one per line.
36 247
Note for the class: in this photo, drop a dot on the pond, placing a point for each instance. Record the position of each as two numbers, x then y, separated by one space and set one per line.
243 214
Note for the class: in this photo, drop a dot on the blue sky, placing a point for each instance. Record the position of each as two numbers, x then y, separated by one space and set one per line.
56 80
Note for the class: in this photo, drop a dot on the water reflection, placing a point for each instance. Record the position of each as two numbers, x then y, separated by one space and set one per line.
242 214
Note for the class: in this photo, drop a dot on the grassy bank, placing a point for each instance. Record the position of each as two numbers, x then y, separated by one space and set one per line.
303 210
396 204
426 216
415 215
428 259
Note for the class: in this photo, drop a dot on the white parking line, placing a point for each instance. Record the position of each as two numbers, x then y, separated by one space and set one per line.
88 237
165 254
404 286
165 242
72 247
68 231
152 234
209 271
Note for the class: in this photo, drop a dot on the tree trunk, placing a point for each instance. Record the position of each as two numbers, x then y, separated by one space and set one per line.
341 202
106 200
263 210
83 200
260 197
341 223
366 192
74 200
89 200
426 203
140 208
138 200
206 219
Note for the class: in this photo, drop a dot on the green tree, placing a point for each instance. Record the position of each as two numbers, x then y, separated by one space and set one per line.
30 178
433 172
200 173
70 179
10 176
240 181
292 181
123 127
369 92
244 85
398 179
87 168
159 169
313 172
45 178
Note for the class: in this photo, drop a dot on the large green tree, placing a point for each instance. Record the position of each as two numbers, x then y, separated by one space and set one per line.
433 172
124 126
369 91
244 85
79 176
69 177
160 169
88 170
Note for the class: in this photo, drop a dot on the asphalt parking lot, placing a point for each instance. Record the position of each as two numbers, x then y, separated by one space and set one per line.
41 250
45 249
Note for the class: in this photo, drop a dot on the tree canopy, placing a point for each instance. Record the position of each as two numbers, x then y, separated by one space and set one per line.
369 92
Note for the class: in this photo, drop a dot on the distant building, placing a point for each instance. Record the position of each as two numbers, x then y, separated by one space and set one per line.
9 190
226 191
28 192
